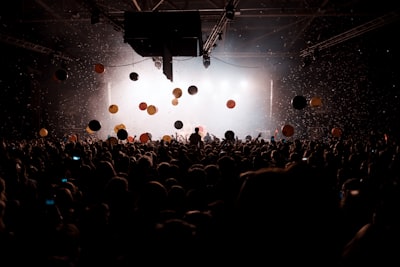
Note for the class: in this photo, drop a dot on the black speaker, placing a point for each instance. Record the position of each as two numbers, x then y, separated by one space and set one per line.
152 33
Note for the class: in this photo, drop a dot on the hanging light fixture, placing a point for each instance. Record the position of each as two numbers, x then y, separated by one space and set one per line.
206 61
157 62
230 11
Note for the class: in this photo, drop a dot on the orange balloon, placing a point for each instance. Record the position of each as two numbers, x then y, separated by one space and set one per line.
151 109
144 138
73 138
143 106
167 138
315 101
336 132
177 92
230 103
131 139
287 130
175 101
113 108
99 68
43 132
89 131
118 127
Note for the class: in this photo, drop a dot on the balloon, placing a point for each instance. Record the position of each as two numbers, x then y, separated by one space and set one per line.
118 127
122 134
131 139
175 101
192 90
229 135
133 76
88 130
151 109
61 74
142 106
94 125
230 103
112 140
287 130
167 138
178 125
144 138
177 92
336 132
99 68
315 101
43 132
73 138
299 102
113 108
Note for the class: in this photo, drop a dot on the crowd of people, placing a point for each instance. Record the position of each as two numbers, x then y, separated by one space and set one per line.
331 202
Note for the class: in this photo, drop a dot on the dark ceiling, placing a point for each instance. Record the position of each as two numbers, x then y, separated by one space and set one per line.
356 41
270 28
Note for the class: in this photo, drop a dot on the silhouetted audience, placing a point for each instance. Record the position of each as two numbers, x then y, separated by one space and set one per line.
332 202
195 138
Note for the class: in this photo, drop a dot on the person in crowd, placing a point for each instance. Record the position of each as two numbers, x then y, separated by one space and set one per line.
195 138
121 203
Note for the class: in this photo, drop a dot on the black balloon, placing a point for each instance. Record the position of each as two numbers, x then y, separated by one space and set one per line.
122 134
134 76
61 74
178 124
94 125
192 90
299 102
229 135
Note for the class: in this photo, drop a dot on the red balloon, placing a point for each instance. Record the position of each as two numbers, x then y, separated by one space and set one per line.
99 68
143 106
230 103
336 132
287 130
144 138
